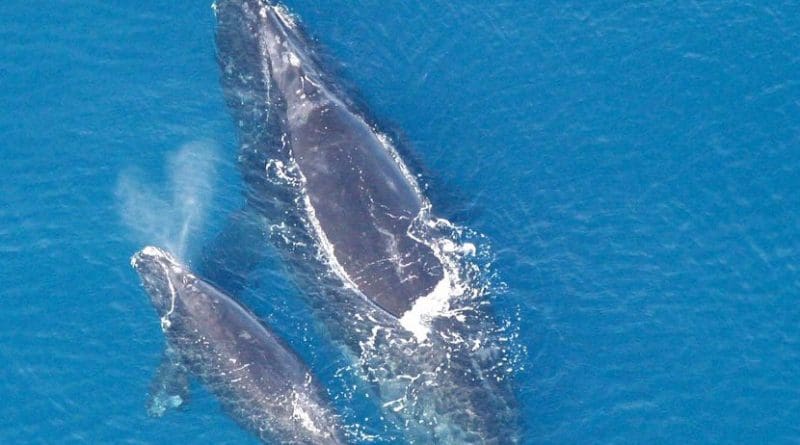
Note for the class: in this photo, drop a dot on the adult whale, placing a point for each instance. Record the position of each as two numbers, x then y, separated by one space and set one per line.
257 378
331 192
363 201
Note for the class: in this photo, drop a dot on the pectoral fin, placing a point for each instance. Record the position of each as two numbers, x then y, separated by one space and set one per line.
170 385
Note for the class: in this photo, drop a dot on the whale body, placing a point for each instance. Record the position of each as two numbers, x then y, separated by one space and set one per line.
259 381
362 200
331 193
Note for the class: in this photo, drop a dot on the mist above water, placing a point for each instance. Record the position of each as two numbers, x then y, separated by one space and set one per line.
170 213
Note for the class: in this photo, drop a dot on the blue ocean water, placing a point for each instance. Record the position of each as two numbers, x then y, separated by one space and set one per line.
633 165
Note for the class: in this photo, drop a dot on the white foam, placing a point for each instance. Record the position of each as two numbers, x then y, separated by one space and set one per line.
294 60
417 319
305 419
281 173
302 415
453 284
286 16
166 323
468 249
153 251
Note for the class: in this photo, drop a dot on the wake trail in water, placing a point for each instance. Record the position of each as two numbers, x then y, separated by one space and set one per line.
171 214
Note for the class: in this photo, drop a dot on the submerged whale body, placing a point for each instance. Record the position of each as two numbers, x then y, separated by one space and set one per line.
332 194
256 377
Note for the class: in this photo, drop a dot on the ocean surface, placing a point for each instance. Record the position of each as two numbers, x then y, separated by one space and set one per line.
633 166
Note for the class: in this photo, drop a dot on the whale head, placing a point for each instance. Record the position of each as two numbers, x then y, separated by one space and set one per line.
163 277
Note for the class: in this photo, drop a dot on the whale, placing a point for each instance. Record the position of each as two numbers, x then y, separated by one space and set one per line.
257 378
363 201
331 194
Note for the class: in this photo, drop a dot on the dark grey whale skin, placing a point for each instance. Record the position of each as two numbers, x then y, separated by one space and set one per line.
461 401
363 202
260 382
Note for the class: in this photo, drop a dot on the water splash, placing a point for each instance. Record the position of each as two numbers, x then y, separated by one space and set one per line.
171 213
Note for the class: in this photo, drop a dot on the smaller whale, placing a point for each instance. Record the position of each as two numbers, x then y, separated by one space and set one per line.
257 378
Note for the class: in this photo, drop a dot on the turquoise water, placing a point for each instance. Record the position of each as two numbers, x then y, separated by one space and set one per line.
634 166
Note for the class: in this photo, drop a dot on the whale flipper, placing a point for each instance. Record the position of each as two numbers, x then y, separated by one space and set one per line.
170 385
